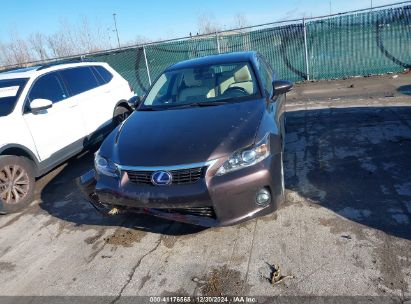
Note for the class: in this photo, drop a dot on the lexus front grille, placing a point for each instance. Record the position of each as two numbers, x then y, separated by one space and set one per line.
179 177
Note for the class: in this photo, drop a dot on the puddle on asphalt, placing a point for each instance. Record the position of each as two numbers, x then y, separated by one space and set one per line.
92 239
125 237
224 281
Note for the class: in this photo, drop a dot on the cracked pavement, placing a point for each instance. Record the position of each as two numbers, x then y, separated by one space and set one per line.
344 229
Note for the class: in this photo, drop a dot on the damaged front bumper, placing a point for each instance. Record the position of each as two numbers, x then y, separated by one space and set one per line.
87 185
215 201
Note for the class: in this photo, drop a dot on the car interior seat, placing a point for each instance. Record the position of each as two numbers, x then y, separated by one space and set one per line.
196 89
243 79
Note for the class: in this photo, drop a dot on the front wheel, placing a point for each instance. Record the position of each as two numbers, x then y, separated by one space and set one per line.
17 183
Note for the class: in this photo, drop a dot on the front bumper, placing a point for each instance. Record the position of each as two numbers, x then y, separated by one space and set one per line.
212 201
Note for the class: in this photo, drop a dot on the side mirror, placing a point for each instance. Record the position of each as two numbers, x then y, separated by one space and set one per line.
281 87
135 101
40 104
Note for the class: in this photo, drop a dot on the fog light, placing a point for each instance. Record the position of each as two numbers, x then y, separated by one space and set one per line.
263 197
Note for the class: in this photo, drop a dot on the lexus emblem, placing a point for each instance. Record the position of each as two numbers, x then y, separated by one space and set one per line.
161 178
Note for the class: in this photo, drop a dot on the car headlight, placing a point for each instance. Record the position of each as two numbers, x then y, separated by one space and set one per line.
246 157
105 166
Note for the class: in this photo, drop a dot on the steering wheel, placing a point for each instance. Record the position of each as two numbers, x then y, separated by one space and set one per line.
236 91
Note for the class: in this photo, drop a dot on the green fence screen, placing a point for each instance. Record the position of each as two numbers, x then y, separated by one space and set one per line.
352 44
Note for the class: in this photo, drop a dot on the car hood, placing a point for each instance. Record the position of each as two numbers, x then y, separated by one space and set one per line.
184 136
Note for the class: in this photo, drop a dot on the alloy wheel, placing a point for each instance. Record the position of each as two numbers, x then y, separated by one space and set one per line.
14 184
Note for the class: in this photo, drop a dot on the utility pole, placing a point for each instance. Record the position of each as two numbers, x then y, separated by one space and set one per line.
115 27
371 4
330 8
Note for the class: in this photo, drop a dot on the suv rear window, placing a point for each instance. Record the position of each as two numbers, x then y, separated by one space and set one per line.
105 75
79 80
10 90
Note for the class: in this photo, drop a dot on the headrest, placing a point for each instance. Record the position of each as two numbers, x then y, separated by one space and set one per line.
190 81
242 75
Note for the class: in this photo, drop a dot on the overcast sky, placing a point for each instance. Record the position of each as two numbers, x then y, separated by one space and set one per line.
158 19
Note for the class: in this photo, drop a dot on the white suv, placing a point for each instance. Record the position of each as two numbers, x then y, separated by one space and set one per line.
50 113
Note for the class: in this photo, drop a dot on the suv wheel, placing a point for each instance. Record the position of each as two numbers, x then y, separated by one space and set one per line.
16 183
120 115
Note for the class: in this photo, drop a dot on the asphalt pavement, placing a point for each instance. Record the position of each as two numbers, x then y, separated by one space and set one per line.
344 229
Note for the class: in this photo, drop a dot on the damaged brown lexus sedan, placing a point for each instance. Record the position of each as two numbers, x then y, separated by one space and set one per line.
203 147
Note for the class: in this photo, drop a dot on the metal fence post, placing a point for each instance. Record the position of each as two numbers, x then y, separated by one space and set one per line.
148 70
307 67
218 43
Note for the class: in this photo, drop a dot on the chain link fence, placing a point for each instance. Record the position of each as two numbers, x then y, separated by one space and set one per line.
357 43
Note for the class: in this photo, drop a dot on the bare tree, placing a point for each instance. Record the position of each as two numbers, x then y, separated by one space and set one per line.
38 44
240 21
62 43
84 36
207 24
88 38
138 40
102 36
5 57
19 50
59 45
69 40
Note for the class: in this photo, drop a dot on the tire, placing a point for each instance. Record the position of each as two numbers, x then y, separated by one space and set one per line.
282 175
120 114
17 183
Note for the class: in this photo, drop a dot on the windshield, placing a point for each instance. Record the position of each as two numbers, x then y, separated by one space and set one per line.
205 85
10 90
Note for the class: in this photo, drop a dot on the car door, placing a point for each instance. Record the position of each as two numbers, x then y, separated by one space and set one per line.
90 94
59 130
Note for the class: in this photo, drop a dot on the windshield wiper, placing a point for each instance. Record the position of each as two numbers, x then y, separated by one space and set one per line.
210 103
199 104
183 106
149 109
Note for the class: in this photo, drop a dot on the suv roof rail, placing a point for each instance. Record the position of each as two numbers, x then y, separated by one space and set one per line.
74 60
45 66
19 70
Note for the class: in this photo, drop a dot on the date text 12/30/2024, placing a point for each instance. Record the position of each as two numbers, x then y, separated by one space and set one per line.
203 299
